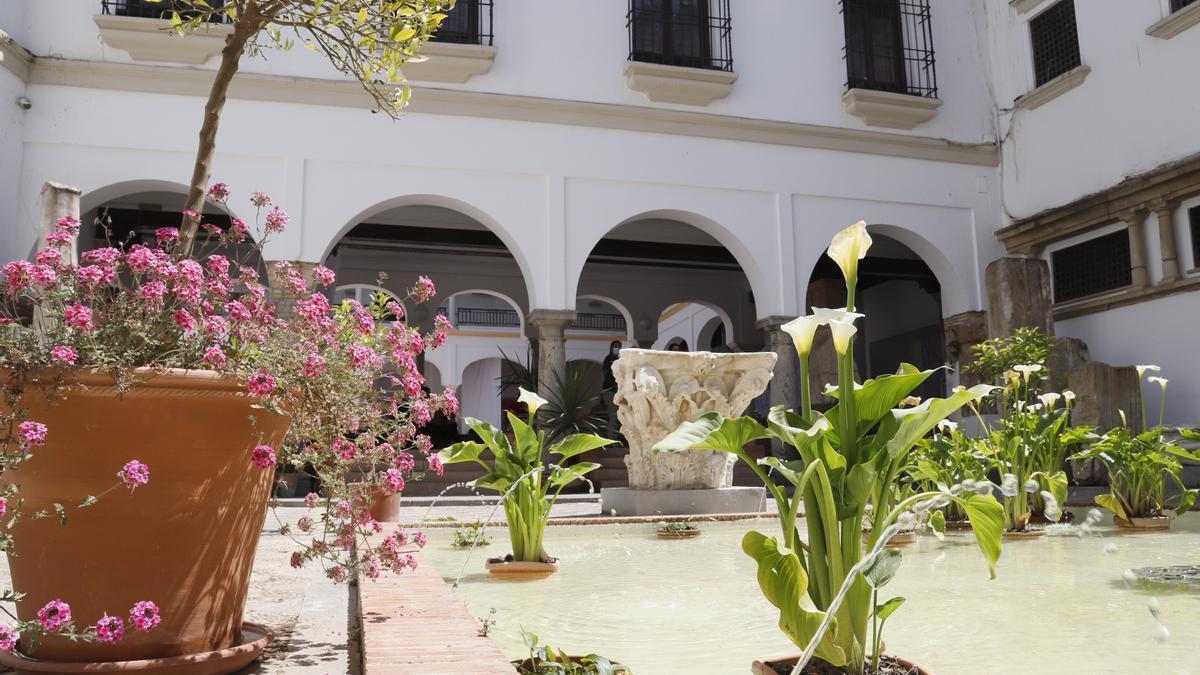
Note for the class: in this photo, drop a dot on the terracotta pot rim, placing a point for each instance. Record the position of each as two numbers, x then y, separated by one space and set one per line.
167 378
256 637
761 666
1143 522
678 534
521 568
1023 534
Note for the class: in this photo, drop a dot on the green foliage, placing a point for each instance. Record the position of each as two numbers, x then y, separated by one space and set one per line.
572 406
686 525
1139 467
470 536
1026 346
518 473
946 458
519 375
546 660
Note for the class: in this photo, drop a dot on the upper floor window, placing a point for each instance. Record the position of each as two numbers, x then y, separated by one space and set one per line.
1177 5
1055 42
470 22
1091 267
1194 226
147 9
889 46
692 33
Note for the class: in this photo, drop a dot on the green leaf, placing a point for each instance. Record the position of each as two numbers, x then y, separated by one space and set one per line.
784 584
1190 434
937 523
529 450
1055 484
882 612
918 421
884 568
492 481
1112 504
1186 500
880 395
987 522
465 451
576 444
713 432
564 477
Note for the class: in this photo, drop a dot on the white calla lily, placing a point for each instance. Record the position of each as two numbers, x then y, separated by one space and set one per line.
531 400
823 315
802 329
1141 370
947 427
1026 370
843 331
1161 381
1049 399
848 247
1069 395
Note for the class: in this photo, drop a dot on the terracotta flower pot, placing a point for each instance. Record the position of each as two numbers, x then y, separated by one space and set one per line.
185 541
385 506
678 534
1023 534
958 525
501 567
765 666
1143 523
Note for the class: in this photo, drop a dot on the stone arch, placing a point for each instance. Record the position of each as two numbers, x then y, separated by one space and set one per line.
708 332
621 308
493 225
955 296
496 294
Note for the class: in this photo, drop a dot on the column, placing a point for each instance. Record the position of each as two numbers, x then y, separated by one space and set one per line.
785 383
58 200
1137 247
1165 211
1018 291
551 344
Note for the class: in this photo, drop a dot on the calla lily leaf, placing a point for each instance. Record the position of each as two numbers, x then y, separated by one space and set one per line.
578 443
987 522
712 432
884 568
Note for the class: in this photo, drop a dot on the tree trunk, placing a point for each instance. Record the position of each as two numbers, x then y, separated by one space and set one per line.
247 25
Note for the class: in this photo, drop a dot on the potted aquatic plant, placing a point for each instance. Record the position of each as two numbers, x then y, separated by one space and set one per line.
678 529
1139 467
546 660
528 486
186 363
824 579
945 458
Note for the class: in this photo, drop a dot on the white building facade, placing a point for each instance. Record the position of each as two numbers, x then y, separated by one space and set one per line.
621 158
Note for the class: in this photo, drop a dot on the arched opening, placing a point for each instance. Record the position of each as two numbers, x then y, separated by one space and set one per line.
692 326
712 335
365 294
656 264
453 248
480 391
902 299
482 310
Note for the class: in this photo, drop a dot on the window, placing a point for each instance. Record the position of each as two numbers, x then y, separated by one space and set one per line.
692 33
1091 267
889 46
470 22
1177 5
148 9
1194 226
1055 41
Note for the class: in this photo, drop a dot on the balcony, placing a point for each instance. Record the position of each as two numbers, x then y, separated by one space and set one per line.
142 29
509 318
680 51
891 79
462 47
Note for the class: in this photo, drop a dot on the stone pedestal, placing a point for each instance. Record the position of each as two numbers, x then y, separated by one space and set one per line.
1101 391
658 391
1068 355
1018 292
963 331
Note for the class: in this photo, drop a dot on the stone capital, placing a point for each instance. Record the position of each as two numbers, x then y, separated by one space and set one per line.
551 321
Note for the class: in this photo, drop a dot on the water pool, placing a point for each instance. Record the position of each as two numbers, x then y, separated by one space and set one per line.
1058 604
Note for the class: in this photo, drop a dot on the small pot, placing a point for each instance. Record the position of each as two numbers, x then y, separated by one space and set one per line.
764 666
678 534
528 663
902 538
1023 534
1143 523
500 567
958 525
385 506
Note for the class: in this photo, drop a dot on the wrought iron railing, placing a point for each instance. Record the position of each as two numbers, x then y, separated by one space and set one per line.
486 317
1177 5
603 322
470 23
692 33
159 10
889 46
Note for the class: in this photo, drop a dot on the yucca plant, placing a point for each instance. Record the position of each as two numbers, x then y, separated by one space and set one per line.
849 457
571 407
528 487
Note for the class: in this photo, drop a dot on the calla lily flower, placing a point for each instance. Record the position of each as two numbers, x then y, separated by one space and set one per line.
848 247
1049 399
531 400
1142 370
802 329
1026 370
843 331
947 427
823 315
1069 396
1162 381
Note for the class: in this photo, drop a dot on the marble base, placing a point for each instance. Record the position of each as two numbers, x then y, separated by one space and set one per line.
633 502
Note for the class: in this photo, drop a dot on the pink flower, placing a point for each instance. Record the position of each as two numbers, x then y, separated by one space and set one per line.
16 275
263 457
276 220
449 401
51 257
260 199
261 383
395 480
134 473
344 449
435 463
323 275
59 238
109 629
185 321
64 355
312 499
8 638
166 235
78 317
297 560
3 506
237 311
214 357
216 326
395 309
305 524
405 462
102 256
424 289
191 214
218 265
55 615
68 224
314 365
144 616
219 192
424 444
419 539
43 275
32 434
152 291
239 228
442 323
337 573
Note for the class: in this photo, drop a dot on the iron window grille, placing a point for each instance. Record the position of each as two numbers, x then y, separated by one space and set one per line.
1194 223
889 46
469 23
1055 41
691 33
1177 5
145 9
1092 267
594 321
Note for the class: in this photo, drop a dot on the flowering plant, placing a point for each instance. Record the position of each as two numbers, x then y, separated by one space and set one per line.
130 310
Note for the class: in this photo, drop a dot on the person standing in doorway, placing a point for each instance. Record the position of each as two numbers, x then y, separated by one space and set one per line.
610 389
